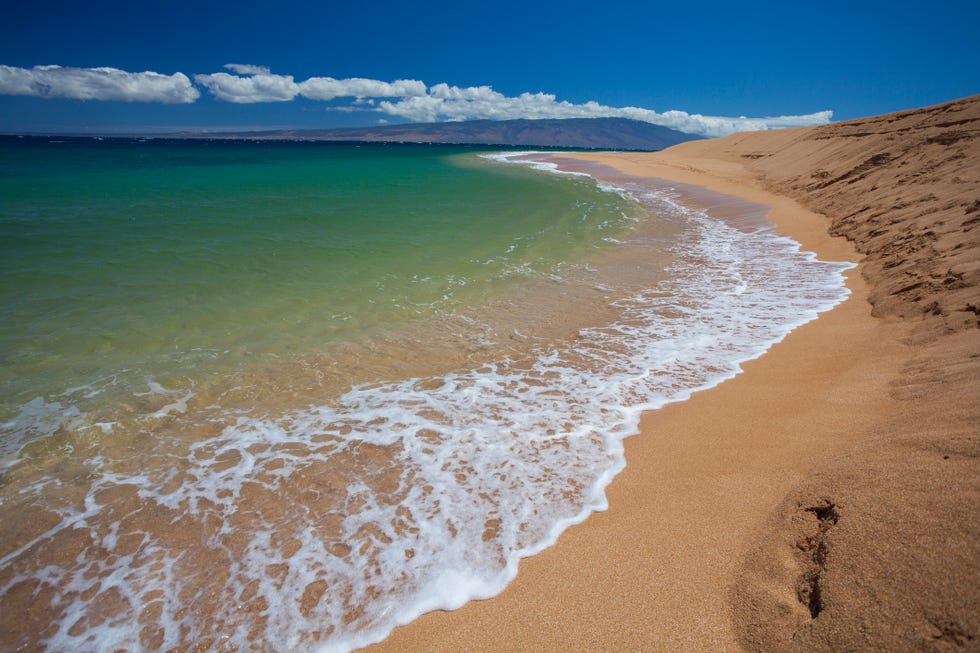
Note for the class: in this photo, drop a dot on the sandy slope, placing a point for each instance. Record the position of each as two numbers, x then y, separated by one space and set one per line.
829 497
888 532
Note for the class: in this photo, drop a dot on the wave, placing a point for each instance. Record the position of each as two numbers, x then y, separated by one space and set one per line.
327 526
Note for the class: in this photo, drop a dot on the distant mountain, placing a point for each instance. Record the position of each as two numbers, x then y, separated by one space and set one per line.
591 133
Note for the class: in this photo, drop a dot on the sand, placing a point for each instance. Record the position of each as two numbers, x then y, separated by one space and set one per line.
828 498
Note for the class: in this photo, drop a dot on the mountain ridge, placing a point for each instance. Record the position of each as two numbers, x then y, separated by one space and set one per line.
586 133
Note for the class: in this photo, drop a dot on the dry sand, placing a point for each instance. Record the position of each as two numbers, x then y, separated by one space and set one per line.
829 497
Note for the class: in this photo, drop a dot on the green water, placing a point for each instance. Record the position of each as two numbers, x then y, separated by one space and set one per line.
170 259
280 396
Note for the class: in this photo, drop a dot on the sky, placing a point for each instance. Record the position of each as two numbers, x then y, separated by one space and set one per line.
701 66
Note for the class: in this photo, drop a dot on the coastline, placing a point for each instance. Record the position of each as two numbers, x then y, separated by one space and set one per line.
700 476
725 495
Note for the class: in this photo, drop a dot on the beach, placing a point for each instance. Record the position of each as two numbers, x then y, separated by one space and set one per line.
288 396
828 498
351 403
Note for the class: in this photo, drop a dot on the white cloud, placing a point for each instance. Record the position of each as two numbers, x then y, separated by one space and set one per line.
445 102
247 69
258 85
447 92
97 84
406 98
412 101
328 88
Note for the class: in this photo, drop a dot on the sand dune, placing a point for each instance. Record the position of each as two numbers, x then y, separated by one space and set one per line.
888 533
829 497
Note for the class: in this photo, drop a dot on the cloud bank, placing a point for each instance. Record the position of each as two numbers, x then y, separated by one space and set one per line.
413 101
97 84
445 102
404 98
251 84
258 84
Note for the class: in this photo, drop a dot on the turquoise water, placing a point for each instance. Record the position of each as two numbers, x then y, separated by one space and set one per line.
289 396
152 256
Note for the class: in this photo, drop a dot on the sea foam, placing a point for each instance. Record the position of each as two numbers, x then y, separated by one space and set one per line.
326 526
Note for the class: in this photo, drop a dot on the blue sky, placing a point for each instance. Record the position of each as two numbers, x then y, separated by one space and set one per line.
252 65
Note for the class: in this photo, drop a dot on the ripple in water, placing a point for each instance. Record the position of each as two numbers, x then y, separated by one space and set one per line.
295 511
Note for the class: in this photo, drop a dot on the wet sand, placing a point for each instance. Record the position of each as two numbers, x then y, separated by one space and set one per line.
828 498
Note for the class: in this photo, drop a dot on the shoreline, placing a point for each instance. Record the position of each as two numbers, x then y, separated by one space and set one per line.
629 263
700 479
827 498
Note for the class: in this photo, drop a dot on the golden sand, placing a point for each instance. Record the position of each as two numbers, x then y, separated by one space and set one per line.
828 498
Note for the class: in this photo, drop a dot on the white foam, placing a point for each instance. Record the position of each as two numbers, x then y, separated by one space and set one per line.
36 420
176 407
521 159
495 462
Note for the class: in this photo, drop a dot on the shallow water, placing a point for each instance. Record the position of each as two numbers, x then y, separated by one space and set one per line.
293 463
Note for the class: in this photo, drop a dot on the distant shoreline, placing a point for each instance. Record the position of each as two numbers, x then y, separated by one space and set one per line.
578 133
171 138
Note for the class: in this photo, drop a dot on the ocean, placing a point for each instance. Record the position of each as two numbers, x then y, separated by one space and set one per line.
288 396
